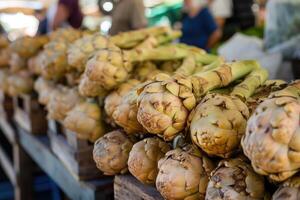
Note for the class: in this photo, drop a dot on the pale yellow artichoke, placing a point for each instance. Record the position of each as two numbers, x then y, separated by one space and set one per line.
113 100
88 88
218 124
145 71
82 49
85 119
27 47
4 85
183 174
111 152
44 89
289 190
34 63
62 100
65 35
144 157
234 179
272 136
20 83
125 113
17 63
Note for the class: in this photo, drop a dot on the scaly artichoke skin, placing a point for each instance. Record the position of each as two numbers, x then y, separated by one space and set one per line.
88 88
183 175
272 138
234 179
218 124
125 114
62 100
111 152
20 83
83 48
143 159
65 35
85 120
289 190
160 109
113 100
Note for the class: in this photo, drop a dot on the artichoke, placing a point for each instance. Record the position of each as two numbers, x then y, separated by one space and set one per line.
86 121
27 47
17 63
54 64
66 35
143 159
44 89
82 49
219 120
183 174
62 100
125 113
289 190
20 83
234 179
113 100
111 152
272 136
88 88
145 71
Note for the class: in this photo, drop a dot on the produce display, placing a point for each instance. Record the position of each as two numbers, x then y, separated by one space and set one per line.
174 116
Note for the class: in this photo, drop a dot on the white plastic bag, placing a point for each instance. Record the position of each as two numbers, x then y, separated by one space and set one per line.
282 31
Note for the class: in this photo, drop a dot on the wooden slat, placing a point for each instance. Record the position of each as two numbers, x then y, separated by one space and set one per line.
128 187
7 167
7 130
23 166
42 155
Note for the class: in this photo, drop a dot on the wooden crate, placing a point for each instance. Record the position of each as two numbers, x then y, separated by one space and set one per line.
76 154
29 114
128 187
6 107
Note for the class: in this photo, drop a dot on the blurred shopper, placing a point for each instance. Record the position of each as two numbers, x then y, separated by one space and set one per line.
221 10
198 26
65 13
128 15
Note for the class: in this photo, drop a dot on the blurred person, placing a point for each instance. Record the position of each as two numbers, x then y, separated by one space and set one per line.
198 25
221 10
128 15
65 13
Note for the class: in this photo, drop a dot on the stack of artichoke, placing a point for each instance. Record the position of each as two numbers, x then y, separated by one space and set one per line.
137 95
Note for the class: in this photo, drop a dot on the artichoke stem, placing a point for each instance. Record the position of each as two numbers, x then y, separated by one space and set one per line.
248 86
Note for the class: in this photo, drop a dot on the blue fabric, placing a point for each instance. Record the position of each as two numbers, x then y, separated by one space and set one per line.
197 30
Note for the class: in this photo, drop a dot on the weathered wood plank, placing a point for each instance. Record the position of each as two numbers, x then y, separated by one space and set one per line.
23 166
7 166
42 155
128 187
7 130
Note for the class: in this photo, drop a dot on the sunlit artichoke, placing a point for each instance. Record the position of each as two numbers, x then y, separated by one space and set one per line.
218 124
27 47
272 136
88 88
183 174
82 49
44 89
65 35
115 97
234 179
62 100
17 63
289 190
85 119
143 159
125 113
111 152
20 83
